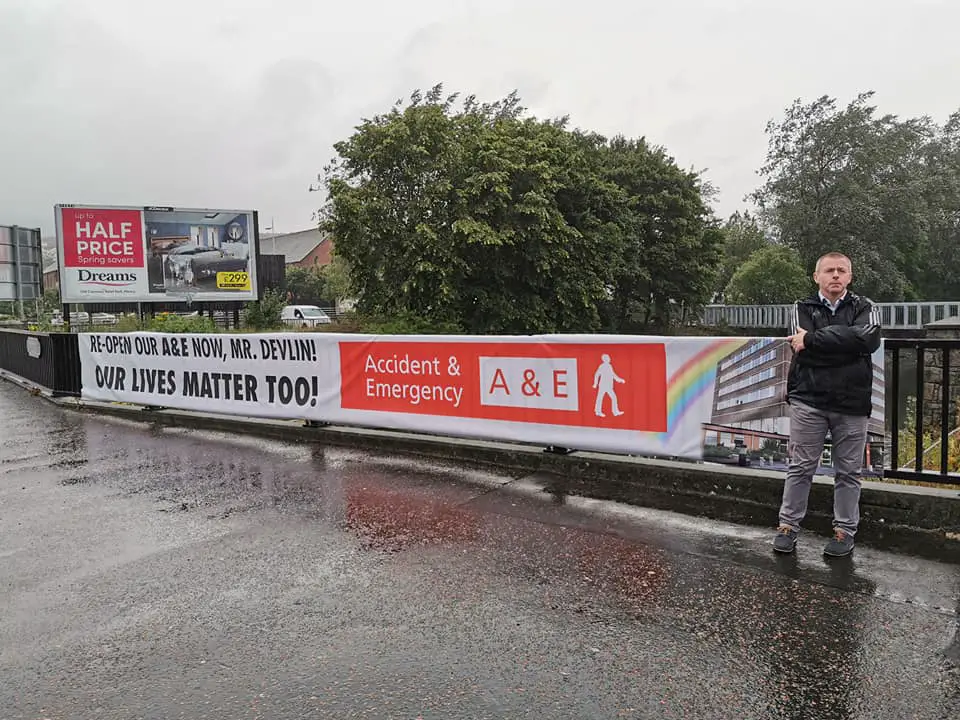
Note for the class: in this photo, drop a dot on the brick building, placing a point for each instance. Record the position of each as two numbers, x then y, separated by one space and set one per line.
305 248
51 278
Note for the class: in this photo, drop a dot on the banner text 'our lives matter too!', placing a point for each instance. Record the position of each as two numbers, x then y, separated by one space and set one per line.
176 367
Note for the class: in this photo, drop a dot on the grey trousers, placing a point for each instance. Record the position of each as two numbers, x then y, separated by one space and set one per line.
808 429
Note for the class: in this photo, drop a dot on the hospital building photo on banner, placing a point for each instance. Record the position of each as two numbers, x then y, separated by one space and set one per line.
750 417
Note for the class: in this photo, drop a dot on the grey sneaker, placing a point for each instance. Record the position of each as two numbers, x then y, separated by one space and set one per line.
841 545
786 539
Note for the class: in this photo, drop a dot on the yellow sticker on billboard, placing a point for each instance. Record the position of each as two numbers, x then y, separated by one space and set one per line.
233 281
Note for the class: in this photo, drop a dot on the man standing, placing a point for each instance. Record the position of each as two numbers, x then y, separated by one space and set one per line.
829 389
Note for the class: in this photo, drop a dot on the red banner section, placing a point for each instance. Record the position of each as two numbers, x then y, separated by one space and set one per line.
97 238
612 386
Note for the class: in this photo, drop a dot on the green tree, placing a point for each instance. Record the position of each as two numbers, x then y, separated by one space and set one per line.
742 237
264 314
489 221
305 285
336 277
474 217
671 246
51 300
772 275
846 179
940 271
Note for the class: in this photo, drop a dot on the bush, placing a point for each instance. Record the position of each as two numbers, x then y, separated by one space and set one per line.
348 322
129 323
170 323
407 324
931 448
265 313
717 451
931 442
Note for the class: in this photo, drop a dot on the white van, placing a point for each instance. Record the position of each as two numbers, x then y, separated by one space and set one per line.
304 316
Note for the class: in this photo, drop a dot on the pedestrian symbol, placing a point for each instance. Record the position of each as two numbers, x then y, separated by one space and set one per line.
603 380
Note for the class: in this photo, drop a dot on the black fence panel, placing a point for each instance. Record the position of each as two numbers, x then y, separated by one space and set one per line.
50 360
925 442
29 355
66 363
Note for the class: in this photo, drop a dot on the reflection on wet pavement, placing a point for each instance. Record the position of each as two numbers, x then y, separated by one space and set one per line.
170 573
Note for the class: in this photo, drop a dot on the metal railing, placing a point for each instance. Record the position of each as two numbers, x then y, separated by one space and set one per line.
748 316
932 431
894 316
49 360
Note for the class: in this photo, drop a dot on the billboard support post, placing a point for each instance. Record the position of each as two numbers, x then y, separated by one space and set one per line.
256 237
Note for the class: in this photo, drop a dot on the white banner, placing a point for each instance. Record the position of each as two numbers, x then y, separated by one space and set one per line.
669 396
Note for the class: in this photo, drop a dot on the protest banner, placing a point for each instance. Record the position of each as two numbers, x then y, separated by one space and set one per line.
667 396
275 376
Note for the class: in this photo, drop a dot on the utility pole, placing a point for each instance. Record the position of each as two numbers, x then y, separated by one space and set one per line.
270 229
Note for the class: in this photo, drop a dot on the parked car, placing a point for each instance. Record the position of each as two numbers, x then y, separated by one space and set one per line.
76 318
103 319
304 316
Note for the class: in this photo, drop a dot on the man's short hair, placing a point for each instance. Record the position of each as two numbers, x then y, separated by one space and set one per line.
834 255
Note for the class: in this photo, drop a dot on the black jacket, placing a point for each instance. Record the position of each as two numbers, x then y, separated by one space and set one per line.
834 371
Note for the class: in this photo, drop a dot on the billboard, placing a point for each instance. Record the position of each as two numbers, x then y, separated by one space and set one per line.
156 254
21 263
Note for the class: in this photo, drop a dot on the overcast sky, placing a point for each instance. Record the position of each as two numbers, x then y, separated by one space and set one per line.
237 104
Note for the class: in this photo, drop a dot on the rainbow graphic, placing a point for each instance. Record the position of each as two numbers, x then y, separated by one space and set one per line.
692 379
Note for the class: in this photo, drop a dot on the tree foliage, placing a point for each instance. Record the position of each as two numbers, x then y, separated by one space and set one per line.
336 277
265 313
670 245
772 275
493 222
305 286
881 189
742 237
938 276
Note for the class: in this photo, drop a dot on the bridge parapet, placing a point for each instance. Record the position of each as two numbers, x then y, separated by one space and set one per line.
894 316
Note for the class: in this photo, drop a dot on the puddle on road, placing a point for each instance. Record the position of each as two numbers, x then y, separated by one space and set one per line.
388 503
396 519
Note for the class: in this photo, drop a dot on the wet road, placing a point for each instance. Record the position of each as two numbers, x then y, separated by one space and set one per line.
175 574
